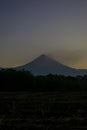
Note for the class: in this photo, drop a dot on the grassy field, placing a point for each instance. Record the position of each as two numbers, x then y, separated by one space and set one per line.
43 110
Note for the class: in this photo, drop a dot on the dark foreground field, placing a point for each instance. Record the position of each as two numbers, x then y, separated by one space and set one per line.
43 110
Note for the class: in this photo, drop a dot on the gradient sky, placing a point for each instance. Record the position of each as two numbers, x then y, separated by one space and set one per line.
57 28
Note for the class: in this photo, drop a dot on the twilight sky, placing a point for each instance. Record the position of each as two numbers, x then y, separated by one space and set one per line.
57 28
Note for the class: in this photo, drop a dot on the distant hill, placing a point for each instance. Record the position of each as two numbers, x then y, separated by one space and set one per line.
44 65
1 68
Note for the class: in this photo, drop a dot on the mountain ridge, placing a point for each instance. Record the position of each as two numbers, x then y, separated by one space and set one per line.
44 65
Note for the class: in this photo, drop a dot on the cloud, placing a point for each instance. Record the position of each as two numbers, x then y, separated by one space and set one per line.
69 57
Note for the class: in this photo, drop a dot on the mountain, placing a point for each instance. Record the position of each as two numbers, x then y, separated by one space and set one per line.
44 65
1 68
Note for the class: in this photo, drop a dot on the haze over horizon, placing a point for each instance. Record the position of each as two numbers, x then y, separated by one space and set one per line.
57 28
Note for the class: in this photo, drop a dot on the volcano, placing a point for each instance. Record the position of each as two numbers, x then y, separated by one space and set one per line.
44 65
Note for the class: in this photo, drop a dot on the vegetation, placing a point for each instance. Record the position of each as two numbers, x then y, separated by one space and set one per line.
49 102
12 80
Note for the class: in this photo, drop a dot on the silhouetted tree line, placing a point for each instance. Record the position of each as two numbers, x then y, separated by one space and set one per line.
12 80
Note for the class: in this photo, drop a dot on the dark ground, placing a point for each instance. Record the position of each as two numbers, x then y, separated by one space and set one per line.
43 110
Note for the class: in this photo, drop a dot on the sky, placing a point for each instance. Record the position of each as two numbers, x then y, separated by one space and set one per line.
57 28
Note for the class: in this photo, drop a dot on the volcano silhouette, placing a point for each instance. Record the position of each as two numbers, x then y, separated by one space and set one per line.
44 65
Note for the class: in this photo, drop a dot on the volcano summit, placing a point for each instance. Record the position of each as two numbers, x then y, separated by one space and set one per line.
44 65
